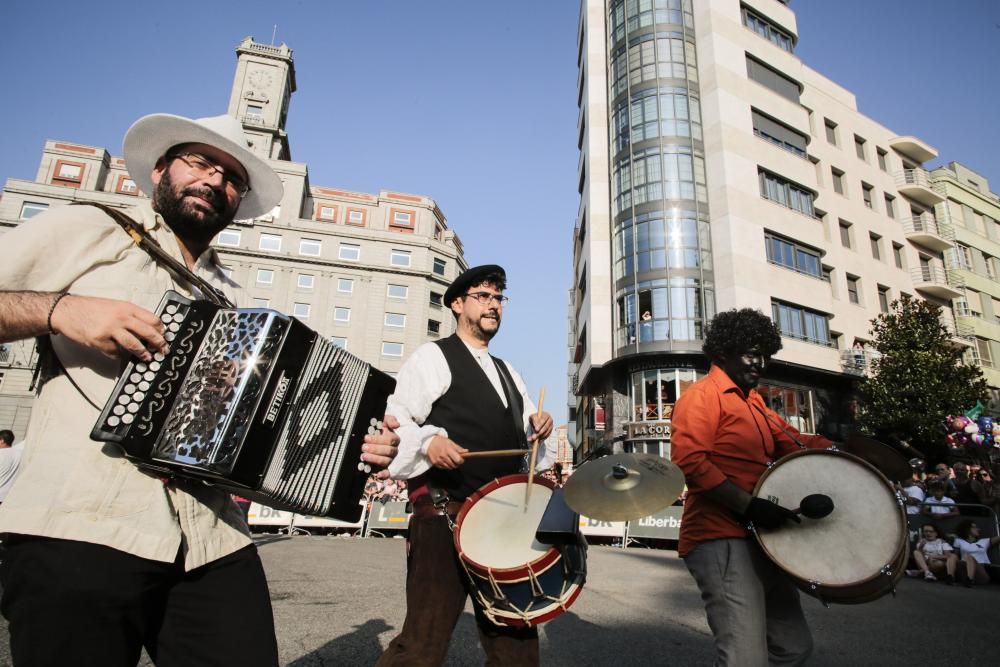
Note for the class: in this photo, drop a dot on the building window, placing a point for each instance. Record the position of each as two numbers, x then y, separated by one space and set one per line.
399 258
397 291
311 247
655 112
306 281
838 180
897 254
433 327
792 255
228 237
985 356
439 266
890 205
852 289
338 341
882 159
126 186
798 322
438 231
357 216
436 299
866 194
261 303
301 310
326 212
69 174
392 349
395 320
349 251
831 131
845 234
30 209
859 148
781 191
778 133
773 79
255 113
883 298
767 30
345 285
265 276
341 314
271 242
401 220
876 243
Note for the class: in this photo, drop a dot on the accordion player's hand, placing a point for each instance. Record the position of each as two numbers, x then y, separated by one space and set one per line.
381 448
108 325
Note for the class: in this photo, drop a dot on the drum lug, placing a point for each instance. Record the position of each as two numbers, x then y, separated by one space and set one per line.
814 587
899 499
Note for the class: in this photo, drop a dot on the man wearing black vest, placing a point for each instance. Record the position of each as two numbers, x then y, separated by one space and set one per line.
451 398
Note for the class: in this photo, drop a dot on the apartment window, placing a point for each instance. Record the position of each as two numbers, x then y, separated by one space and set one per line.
767 30
831 131
301 310
890 205
883 298
773 79
349 251
876 243
798 322
338 341
866 194
30 209
341 314
852 289
883 163
326 212
395 320
126 186
255 113
792 255
989 262
265 276
306 281
397 291
784 192
439 266
438 231
401 219
310 247
436 299
271 242
778 133
985 356
399 257
845 234
261 303
838 180
897 255
859 148
392 349
228 237
345 285
433 327
68 173
963 257
356 216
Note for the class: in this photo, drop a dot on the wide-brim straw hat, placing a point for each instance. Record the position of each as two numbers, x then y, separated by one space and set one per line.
152 136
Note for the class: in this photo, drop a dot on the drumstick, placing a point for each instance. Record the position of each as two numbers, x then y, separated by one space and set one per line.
493 452
534 450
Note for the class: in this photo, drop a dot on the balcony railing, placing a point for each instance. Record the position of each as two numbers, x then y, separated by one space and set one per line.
928 232
935 280
916 184
858 362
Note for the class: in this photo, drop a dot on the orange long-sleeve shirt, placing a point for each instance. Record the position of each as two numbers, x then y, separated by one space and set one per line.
719 433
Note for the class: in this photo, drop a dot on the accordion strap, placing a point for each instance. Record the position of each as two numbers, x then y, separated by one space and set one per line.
142 239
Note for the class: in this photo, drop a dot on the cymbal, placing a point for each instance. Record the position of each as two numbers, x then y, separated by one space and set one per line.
623 487
890 462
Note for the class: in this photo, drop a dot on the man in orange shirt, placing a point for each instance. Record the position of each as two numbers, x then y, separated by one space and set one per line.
723 437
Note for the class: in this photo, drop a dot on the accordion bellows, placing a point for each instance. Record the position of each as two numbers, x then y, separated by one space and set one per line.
254 402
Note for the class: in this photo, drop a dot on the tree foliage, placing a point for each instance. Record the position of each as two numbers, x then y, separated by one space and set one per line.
918 379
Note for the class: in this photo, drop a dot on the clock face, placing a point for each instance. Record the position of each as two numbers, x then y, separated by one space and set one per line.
260 79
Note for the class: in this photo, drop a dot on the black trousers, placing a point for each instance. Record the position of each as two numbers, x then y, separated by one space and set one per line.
75 603
436 590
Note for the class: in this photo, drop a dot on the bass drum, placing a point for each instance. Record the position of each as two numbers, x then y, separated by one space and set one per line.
858 552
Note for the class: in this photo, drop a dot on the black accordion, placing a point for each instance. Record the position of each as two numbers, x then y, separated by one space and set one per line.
251 401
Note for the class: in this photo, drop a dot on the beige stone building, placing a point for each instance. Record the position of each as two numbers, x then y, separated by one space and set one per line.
717 170
367 270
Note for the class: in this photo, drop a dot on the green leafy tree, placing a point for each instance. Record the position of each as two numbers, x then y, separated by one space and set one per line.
917 380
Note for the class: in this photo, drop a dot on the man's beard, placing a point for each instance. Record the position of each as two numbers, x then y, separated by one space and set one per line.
483 334
188 222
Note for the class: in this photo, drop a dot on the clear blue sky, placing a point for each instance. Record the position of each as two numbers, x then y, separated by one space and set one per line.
471 103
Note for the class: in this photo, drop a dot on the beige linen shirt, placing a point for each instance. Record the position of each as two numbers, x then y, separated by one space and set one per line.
69 486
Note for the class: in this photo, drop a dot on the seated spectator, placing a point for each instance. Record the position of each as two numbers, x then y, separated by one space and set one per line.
939 505
972 548
913 494
934 556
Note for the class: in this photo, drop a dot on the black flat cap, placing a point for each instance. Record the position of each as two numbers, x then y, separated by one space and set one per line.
471 277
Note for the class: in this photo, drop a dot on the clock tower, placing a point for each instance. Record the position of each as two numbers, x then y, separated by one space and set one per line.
262 89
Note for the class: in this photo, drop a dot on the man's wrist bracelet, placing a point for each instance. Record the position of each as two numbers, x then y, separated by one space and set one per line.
52 309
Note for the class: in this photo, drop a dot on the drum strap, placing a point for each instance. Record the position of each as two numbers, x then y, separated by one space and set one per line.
780 426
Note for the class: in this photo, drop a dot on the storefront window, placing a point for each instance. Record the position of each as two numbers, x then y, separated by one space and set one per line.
793 404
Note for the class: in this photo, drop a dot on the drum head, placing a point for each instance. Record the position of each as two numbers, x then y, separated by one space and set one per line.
863 534
495 532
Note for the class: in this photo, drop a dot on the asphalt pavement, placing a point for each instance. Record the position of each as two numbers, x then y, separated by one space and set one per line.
339 601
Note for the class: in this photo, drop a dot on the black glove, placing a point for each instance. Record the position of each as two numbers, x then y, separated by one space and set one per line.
765 514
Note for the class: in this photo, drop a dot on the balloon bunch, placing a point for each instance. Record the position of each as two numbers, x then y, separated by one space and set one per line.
966 432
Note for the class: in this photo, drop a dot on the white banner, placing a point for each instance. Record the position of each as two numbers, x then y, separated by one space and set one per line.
261 515
594 527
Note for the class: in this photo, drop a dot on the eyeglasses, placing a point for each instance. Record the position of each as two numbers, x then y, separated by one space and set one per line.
202 168
485 298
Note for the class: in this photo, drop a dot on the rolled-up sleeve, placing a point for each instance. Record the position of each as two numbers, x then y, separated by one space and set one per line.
692 433
423 379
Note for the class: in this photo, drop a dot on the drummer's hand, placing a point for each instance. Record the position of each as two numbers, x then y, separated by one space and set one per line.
445 453
768 515
541 424
381 448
